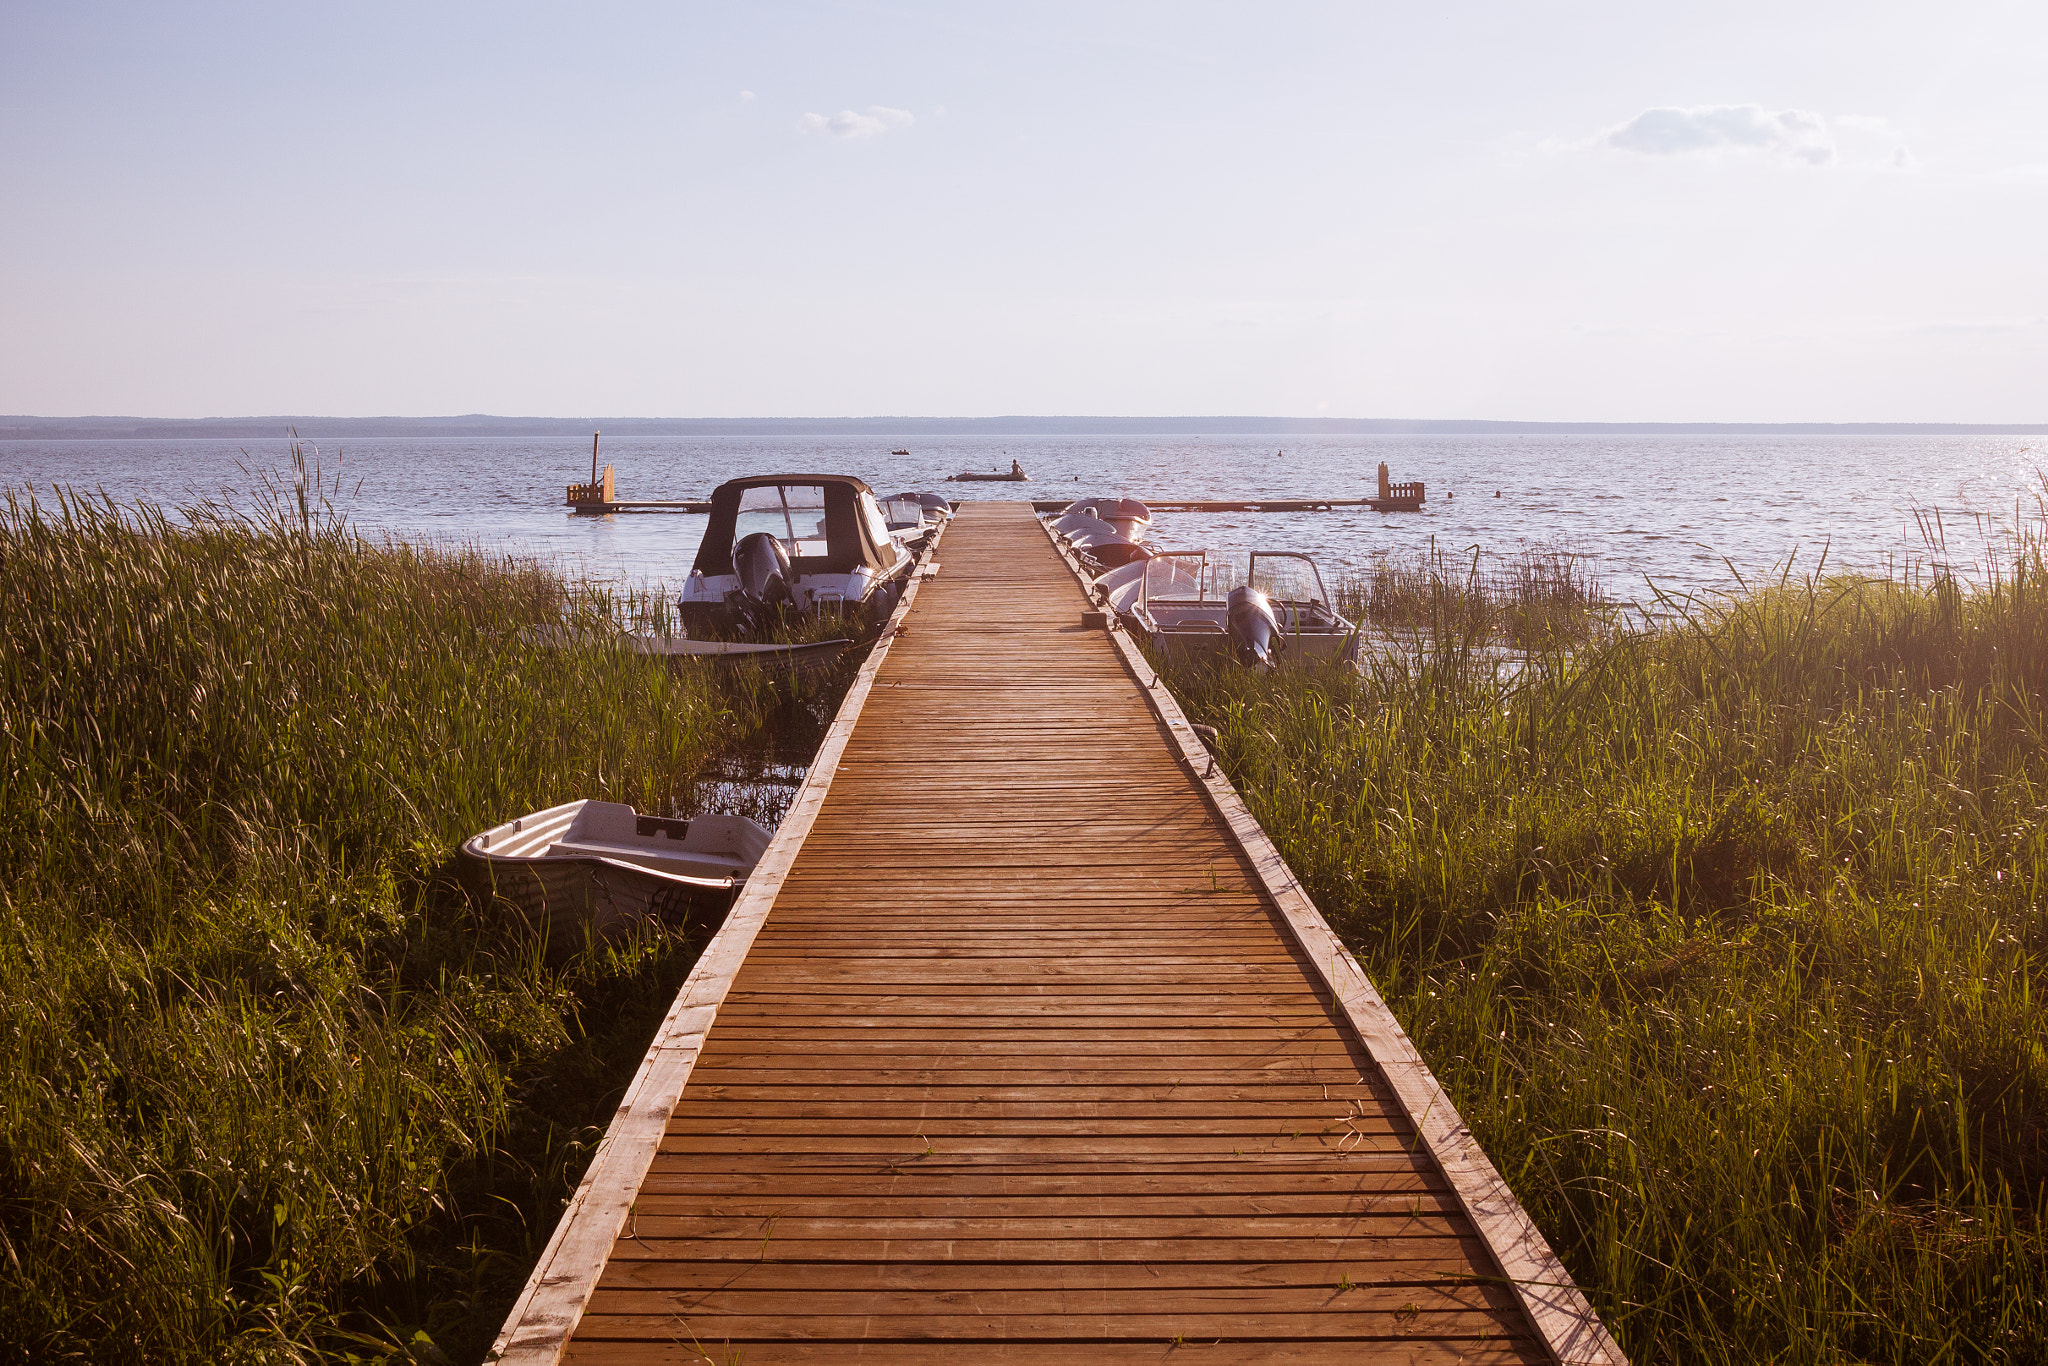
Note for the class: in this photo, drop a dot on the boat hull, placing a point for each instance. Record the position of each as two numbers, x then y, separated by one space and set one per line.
576 900
587 871
1304 649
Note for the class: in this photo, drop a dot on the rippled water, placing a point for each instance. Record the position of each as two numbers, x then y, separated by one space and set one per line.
1677 509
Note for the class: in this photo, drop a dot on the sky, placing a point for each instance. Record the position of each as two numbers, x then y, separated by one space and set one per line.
1516 211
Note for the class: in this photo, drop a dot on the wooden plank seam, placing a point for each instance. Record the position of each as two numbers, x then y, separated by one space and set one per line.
1563 1318
537 1331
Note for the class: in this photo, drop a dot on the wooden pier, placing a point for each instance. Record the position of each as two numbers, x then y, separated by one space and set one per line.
1023 1045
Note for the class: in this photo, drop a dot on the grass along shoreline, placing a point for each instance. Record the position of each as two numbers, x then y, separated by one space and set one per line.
270 1088
1725 935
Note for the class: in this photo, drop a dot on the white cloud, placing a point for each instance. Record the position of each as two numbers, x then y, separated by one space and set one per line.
1797 135
1867 140
878 119
746 97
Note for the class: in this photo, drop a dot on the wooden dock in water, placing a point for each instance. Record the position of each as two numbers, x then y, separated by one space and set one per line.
1023 1045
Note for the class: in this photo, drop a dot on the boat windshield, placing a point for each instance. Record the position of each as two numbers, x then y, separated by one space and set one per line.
793 514
1176 576
1288 578
905 512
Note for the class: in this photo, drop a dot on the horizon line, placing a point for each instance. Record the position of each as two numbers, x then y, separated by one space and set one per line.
118 427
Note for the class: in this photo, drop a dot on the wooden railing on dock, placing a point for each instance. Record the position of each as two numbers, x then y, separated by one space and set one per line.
598 492
1023 1044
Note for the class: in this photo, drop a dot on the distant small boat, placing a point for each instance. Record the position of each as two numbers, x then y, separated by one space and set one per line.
604 866
899 452
1015 476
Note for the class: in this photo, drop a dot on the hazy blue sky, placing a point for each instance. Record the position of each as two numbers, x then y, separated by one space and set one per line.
1546 211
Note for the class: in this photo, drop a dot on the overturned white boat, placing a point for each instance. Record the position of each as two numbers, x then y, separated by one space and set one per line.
1106 533
804 544
1190 609
1129 517
604 866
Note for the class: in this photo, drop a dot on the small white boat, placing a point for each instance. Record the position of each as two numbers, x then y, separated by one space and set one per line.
604 866
1279 613
1130 517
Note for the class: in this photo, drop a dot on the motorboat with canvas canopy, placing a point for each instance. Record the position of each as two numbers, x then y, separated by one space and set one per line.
804 544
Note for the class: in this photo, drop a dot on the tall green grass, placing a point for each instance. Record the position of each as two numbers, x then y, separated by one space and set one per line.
1726 938
1542 597
270 1089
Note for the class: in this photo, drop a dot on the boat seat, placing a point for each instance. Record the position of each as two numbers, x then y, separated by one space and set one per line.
636 852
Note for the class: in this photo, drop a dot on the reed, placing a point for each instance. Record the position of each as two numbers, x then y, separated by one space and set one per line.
1724 935
1540 597
270 1088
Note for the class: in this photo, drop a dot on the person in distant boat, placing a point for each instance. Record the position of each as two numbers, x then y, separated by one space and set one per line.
1016 468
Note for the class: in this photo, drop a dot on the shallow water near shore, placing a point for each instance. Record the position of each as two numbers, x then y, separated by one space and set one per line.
1687 512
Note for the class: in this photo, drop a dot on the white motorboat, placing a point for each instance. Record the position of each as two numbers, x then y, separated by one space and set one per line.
913 517
1189 609
808 544
605 866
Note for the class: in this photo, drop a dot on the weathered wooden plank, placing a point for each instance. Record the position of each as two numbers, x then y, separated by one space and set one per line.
1020 1278
1564 1320
678 1349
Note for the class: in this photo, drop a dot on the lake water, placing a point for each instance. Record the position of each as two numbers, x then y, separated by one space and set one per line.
1680 510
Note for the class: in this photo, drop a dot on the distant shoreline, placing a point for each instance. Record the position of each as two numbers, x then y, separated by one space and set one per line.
484 425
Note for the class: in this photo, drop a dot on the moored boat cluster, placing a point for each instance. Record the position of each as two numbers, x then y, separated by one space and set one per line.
1190 607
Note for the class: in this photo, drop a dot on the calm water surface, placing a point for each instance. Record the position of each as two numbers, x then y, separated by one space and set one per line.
1684 511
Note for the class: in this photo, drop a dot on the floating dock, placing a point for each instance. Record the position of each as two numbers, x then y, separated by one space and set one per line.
1023 1044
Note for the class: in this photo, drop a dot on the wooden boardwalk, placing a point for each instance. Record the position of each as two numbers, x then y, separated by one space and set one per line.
1021 1053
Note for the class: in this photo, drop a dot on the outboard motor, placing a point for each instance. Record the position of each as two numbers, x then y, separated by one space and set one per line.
1255 637
762 563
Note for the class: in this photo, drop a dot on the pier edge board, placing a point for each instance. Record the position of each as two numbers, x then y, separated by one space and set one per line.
545 1315
1564 1319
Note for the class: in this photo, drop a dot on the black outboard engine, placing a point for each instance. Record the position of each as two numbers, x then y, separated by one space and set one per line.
1255 637
762 563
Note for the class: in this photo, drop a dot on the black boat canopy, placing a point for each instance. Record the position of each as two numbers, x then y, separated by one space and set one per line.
819 518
